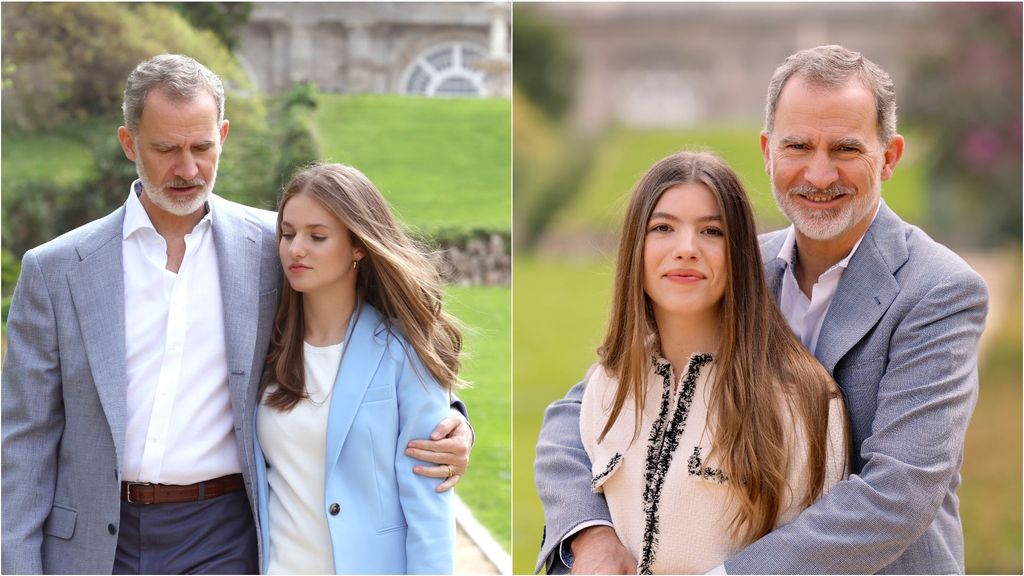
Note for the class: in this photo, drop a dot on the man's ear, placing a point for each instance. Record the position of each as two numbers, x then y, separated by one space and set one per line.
891 156
766 153
223 131
127 142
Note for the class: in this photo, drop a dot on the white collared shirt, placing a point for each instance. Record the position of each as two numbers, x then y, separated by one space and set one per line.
180 426
807 315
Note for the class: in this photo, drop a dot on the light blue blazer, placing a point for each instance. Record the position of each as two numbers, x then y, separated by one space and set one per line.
391 521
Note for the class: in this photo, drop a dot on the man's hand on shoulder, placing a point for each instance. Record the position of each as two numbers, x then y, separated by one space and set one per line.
597 550
448 449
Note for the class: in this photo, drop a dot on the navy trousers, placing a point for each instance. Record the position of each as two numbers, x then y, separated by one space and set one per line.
212 536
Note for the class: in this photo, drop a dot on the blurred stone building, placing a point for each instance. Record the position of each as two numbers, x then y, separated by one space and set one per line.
677 64
425 48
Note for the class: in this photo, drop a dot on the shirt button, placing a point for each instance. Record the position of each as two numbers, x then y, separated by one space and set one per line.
335 508
112 529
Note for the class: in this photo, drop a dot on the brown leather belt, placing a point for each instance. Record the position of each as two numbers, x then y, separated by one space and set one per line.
146 493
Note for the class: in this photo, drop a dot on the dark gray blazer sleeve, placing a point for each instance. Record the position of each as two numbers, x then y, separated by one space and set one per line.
562 474
926 393
33 421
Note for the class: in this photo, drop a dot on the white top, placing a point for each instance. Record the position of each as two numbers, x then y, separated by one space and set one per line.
180 428
807 315
676 520
295 446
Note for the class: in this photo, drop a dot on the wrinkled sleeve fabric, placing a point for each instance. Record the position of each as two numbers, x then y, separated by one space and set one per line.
925 399
430 540
33 420
562 474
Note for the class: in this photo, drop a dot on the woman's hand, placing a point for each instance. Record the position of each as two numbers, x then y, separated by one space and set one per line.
448 449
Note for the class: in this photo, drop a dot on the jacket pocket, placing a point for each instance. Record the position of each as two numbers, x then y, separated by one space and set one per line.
603 473
379 394
61 522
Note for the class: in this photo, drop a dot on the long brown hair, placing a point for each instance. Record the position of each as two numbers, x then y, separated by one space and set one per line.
764 374
396 276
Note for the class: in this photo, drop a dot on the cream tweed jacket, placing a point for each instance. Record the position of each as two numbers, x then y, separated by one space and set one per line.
669 502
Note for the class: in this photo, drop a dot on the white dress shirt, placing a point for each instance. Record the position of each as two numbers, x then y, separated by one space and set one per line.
180 427
295 445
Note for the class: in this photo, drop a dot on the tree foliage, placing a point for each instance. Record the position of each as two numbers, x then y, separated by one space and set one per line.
544 62
224 19
65 67
299 144
64 61
970 103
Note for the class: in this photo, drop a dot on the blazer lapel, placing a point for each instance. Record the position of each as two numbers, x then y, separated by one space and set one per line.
236 241
364 348
96 284
866 290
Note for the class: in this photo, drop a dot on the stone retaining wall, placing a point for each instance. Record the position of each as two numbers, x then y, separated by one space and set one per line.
482 259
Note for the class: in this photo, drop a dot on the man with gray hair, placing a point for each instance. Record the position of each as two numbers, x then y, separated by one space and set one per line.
894 316
135 348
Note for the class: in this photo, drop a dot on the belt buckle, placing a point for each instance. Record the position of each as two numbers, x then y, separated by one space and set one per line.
130 485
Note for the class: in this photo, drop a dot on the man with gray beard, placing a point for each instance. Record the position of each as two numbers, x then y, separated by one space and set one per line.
135 347
894 316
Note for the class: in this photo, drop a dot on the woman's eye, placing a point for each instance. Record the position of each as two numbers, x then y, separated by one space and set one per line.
713 232
287 235
660 228
318 238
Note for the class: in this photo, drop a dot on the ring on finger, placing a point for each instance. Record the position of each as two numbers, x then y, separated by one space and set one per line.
450 471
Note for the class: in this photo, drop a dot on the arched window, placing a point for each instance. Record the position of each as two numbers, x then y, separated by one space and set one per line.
446 70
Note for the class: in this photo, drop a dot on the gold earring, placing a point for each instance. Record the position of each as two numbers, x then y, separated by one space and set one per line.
355 264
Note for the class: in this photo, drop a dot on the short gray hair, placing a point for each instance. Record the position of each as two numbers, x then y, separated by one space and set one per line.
832 66
177 77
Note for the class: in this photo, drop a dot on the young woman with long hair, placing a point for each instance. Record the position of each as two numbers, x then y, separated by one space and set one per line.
362 360
707 423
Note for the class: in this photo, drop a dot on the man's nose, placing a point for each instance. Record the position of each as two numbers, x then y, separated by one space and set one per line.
821 172
186 167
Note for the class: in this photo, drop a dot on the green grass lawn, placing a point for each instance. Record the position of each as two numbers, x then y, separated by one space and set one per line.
53 157
561 309
486 488
624 155
442 163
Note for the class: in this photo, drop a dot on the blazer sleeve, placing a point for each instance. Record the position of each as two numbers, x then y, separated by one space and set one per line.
33 420
562 473
430 540
925 399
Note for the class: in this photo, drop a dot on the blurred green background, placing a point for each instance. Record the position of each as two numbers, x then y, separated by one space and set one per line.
580 144
442 163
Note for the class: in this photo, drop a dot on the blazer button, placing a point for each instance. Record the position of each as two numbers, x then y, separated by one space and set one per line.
112 529
335 508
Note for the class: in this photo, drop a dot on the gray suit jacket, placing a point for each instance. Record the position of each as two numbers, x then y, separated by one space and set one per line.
901 339
64 403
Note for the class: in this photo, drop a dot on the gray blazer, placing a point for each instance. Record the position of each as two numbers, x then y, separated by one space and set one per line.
901 339
64 402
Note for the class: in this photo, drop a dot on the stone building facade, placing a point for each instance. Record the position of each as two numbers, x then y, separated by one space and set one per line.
425 48
651 65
